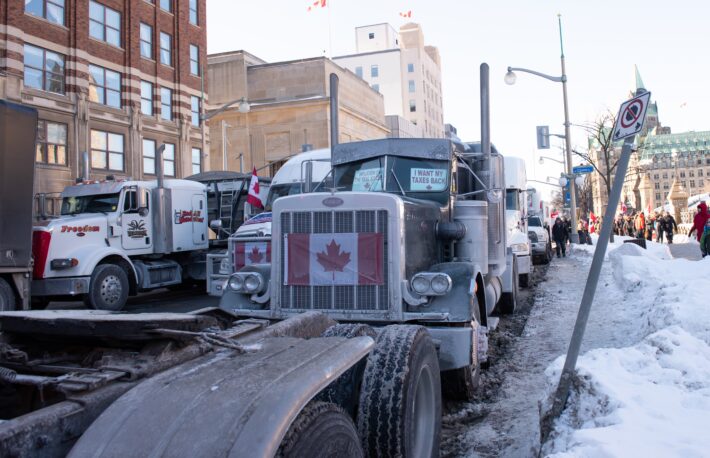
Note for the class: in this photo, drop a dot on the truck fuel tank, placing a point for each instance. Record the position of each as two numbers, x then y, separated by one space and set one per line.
473 246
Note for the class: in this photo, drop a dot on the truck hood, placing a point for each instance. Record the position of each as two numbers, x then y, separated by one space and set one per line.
80 223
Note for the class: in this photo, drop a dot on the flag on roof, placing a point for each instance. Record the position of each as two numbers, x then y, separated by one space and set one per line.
317 4
407 14
253 198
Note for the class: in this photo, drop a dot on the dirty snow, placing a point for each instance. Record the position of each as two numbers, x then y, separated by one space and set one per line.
651 398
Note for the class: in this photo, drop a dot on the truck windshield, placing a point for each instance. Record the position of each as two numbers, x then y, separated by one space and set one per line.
97 203
420 178
511 199
281 190
534 221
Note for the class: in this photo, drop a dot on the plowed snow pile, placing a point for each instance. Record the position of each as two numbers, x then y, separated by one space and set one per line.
653 398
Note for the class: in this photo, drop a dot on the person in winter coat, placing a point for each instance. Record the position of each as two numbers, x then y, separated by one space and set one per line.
640 225
669 226
559 234
701 217
657 228
705 240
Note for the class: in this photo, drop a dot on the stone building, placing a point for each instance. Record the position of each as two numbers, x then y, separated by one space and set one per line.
661 157
405 70
288 108
112 78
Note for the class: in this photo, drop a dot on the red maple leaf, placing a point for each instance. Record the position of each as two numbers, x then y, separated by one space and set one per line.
333 260
255 256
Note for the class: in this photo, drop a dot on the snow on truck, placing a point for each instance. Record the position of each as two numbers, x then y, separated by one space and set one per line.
119 237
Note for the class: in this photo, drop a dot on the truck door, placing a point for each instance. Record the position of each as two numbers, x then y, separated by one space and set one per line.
199 219
137 229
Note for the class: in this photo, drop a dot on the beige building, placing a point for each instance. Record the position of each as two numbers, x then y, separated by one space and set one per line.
404 69
662 158
289 107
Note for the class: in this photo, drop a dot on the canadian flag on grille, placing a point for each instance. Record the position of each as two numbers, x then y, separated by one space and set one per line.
253 197
334 259
248 253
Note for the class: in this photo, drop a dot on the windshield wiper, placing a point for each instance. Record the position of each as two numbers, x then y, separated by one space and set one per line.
396 180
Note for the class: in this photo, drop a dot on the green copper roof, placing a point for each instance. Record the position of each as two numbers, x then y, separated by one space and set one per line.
685 142
639 81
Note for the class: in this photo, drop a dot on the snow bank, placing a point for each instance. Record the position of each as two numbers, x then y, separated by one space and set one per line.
658 250
653 398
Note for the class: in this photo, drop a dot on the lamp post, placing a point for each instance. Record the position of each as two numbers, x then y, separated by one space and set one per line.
244 108
510 78
542 160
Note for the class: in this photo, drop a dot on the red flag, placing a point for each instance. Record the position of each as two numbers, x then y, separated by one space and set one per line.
318 4
592 217
408 14
334 259
253 197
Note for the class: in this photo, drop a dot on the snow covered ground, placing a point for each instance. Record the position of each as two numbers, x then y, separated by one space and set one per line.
651 395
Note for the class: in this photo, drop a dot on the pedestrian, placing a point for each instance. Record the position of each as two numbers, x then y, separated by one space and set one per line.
701 217
640 225
669 226
559 234
705 240
657 228
581 230
649 228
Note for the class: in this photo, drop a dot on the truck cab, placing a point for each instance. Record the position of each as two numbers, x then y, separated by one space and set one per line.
118 237
404 239
516 217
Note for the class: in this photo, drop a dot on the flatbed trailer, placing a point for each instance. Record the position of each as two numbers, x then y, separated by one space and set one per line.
87 382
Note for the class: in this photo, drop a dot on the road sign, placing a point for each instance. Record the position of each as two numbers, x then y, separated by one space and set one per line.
631 117
583 169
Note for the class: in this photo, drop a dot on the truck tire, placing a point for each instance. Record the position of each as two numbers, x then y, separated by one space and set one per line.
399 413
509 301
461 384
7 296
345 390
548 254
108 288
321 430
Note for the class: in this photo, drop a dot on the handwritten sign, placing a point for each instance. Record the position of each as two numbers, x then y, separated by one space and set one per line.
428 179
368 180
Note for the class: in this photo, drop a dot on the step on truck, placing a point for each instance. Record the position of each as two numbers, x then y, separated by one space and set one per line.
18 131
94 383
116 238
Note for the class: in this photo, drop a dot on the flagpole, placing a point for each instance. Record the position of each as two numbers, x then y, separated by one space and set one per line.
330 35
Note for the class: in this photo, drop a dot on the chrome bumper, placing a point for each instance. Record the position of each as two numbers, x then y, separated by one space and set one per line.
68 286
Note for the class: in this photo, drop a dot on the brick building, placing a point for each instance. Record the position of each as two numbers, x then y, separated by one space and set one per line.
112 78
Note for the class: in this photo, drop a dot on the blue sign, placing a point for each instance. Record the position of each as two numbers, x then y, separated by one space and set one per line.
583 169
568 198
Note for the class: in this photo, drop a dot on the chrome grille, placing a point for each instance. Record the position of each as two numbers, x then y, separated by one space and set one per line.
365 298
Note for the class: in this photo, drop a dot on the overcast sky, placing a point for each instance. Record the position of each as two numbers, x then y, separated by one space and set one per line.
603 39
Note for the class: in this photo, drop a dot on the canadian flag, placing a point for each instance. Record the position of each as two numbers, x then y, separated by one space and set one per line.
406 14
253 197
317 4
248 253
334 259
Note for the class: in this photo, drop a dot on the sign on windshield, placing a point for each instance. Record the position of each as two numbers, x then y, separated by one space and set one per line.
368 180
427 179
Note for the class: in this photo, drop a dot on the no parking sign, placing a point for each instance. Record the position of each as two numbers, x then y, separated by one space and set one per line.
631 117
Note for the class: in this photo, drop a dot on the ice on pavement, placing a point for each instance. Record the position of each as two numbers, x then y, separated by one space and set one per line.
651 398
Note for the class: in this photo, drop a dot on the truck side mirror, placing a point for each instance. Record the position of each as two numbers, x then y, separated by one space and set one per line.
216 225
307 185
142 201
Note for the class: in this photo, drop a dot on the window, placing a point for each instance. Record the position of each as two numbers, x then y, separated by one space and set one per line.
147 98
195 110
148 156
655 176
410 68
104 23
692 183
685 184
412 87
44 69
376 87
412 106
658 186
691 173
707 161
358 71
374 71
658 196
701 183
105 86
51 10
169 160
665 186
51 143
166 5
194 60
193 12
166 53
106 150
146 41
682 174
371 36
665 175
700 172
196 160
166 103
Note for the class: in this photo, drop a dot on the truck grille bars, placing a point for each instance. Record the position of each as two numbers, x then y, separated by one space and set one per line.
347 298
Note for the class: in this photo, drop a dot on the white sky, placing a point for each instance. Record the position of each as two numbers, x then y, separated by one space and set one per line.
603 39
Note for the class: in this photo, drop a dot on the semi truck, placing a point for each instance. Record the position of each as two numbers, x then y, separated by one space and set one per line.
516 219
18 131
116 238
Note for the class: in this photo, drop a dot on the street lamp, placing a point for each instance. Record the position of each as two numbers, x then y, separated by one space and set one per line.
542 160
244 108
510 78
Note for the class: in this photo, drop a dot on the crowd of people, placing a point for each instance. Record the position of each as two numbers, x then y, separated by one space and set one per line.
654 227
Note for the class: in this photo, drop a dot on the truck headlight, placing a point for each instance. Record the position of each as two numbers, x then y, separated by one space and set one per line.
519 248
236 283
431 283
246 282
224 266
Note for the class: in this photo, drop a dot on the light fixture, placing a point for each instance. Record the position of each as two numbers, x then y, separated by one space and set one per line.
244 106
541 161
579 180
510 78
563 181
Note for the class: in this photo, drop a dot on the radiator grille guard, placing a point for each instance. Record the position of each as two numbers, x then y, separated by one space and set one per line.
349 299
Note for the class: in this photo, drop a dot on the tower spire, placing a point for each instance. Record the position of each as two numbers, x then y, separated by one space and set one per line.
639 81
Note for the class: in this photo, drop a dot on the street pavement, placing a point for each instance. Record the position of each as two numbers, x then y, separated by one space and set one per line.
161 300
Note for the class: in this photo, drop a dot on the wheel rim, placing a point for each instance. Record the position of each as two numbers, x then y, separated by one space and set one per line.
111 289
424 414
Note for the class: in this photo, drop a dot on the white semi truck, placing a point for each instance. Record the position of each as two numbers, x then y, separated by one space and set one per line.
516 219
117 238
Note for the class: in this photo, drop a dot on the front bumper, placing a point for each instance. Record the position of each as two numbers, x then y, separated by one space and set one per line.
66 286
539 248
